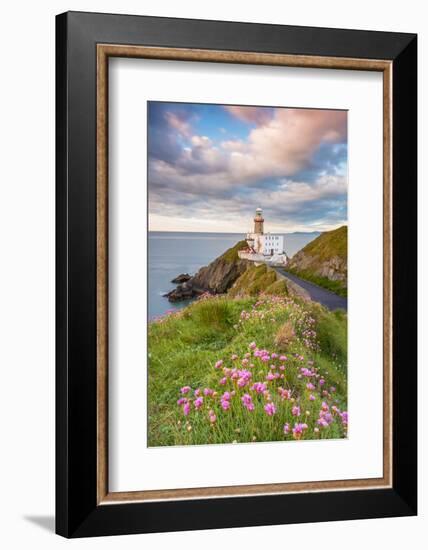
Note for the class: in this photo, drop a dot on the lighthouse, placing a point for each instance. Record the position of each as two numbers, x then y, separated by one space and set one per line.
258 222
261 244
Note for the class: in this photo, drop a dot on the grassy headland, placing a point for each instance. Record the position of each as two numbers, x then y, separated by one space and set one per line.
265 367
324 261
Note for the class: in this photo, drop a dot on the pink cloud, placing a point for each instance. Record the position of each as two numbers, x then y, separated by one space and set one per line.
255 115
287 143
178 123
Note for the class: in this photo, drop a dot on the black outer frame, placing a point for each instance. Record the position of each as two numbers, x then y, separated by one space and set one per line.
77 513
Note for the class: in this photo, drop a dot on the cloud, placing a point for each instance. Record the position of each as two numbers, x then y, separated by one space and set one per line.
178 122
293 164
252 115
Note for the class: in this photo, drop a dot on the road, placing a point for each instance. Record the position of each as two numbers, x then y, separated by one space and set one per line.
317 294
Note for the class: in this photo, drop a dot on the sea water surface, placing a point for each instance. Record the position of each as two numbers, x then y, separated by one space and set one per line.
173 253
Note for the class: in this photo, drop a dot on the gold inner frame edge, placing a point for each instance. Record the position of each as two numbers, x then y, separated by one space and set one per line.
104 51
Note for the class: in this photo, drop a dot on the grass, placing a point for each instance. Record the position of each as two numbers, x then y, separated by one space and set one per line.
327 245
253 281
231 255
334 286
185 347
333 244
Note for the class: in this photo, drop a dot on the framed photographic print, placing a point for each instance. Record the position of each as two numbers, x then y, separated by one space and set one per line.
236 274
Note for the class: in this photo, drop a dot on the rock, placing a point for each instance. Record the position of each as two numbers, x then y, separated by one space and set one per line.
183 278
326 256
215 278
185 291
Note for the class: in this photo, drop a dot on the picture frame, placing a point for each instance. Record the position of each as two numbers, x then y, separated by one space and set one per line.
84 44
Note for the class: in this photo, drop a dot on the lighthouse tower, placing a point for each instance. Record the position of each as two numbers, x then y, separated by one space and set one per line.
258 222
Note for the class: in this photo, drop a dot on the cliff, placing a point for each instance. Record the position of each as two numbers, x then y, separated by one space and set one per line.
324 260
216 278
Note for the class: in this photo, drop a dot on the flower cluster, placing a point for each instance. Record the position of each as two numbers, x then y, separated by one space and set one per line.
287 391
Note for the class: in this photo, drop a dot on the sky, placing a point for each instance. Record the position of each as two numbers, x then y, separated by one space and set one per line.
211 166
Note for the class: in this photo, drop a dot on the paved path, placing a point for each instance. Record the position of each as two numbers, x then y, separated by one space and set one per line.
323 296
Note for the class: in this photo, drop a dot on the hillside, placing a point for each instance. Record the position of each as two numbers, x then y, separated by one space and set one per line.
249 360
324 261
216 278
235 370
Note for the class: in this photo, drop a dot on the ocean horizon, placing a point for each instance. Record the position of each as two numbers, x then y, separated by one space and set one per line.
171 253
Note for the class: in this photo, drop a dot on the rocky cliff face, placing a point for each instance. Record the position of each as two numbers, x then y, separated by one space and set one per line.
326 257
216 278
334 268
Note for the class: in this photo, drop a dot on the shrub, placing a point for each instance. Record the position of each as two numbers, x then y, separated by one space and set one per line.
285 336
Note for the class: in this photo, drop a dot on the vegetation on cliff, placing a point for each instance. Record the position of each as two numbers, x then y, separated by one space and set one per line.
324 261
230 369
254 280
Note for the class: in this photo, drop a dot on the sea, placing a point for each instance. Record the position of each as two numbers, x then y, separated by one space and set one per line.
173 253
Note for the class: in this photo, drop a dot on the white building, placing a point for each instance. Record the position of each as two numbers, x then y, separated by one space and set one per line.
268 244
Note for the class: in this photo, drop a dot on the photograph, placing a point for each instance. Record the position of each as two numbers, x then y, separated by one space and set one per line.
247 274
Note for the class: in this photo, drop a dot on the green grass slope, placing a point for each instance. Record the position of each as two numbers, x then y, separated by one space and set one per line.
329 244
205 360
324 261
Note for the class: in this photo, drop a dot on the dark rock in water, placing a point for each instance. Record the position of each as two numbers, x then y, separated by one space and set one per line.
185 291
215 278
183 278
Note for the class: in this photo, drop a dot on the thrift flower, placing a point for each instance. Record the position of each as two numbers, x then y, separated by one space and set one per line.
270 409
198 403
298 430
185 389
247 401
295 411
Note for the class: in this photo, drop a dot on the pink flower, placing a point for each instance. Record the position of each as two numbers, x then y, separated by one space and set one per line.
258 387
223 381
282 367
226 396
283 358
312 397
270 409
295 411
310 386
324 406
234 357
252 345
225 404
274 355
213 418
219 364
208 391
286 428
247 401
298 430
197 392
198 403
181 401
321 382
285 394
270 376
186 408
344 416
265 358
185 389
